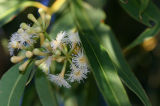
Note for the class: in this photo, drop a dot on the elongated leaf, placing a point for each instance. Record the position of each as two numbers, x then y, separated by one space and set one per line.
144 5
65 23
30 97
12 86
44 90
150 16
124 1
114 51
103 70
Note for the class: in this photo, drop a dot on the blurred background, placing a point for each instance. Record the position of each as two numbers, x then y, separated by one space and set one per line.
143 59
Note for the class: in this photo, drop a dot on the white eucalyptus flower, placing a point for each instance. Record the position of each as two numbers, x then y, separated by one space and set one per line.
45 66
80 60
60 36
59 80
77 74
74 37
25 38
14 43
59 40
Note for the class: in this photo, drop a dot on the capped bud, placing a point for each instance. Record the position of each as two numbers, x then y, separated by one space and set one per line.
48 19
48 46
37 29
60 59
57 52
42 18
24 65
20 30
34 30
29 54
32 18
30 31
41 11
38 62
16 59
24 26
38 52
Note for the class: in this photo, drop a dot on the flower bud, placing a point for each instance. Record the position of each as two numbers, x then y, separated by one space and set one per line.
42 18
29 54
38 62
24 26
48 46
32 18
20 30
24 65
38 52
57 52
48 19
37 29
60 59
16 59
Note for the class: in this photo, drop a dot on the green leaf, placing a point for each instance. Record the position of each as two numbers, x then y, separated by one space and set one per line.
103 70
150 16
124 1
97 3
12 85
151 13
30 97
124 71
64 23
144 5
10 8
44 90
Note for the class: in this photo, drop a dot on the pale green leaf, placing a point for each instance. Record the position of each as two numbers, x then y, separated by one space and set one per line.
10 8
12 85
44 90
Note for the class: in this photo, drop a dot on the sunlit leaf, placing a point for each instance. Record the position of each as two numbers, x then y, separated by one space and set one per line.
10 8
124 71
103 70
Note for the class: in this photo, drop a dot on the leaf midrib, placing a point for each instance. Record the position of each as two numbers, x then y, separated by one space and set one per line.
90 25
12 90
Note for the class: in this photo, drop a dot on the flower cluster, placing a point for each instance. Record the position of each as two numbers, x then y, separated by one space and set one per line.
33 43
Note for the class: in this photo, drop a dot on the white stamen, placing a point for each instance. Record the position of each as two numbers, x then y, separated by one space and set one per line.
59 80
